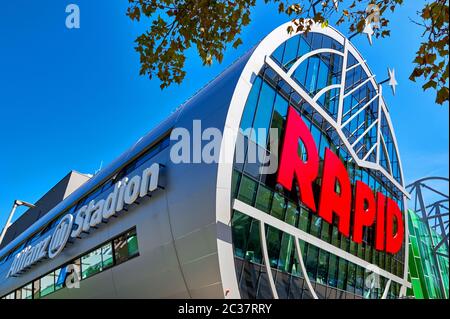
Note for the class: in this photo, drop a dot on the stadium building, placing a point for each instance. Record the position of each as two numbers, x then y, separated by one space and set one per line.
329 222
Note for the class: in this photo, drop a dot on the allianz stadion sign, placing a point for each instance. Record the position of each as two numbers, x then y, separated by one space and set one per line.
125 192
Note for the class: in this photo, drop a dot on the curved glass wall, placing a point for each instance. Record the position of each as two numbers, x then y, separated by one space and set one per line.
266 107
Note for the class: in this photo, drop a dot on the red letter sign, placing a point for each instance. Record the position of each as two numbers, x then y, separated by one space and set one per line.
291 164
364 216
367 208
330 201
393 241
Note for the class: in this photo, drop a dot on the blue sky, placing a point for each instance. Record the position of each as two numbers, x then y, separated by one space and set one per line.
70 99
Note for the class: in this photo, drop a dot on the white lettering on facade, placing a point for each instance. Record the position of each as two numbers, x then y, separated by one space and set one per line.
126 191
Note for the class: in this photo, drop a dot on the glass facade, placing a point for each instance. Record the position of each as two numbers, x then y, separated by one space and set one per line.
428 274
112 253
266 107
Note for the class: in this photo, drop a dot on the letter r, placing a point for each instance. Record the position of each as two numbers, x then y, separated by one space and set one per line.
292 165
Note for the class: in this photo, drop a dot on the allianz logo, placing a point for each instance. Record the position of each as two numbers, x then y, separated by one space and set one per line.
125 192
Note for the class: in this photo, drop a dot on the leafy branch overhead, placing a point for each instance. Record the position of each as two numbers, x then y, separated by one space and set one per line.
213 25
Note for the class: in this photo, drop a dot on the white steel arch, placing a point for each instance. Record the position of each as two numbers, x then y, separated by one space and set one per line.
224 202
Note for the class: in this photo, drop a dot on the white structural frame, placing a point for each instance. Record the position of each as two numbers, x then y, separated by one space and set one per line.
224 201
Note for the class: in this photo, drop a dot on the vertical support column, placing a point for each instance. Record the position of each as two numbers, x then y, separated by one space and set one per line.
262 233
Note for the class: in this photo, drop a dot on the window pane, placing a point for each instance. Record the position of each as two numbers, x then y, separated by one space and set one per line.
278 206
351 278
325 232
332 271
125 247
132 246
303 222
342 274
274 237
247 190
250 106
263 114
11 296
285 262
91 263
315 225
235 182
311 263
323 267
254 243
121 249
27 292
263 199
291 214
47 284
241 228
107 256
359 280
290 52
335 236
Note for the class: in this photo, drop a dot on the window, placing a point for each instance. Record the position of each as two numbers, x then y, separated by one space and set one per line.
10 296
250 105
332 271
247 190
274 237
246 239
26 292
291 214
315 225
263 114
235 183
342 274
263 199
91 263
97 260
107 255
241 228
351 277
278 206
47 284
325 232
311 262
125 247
290 52
268 104
303 222
323 266
286 259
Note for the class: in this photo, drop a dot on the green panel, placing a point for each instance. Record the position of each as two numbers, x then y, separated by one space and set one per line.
425 273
